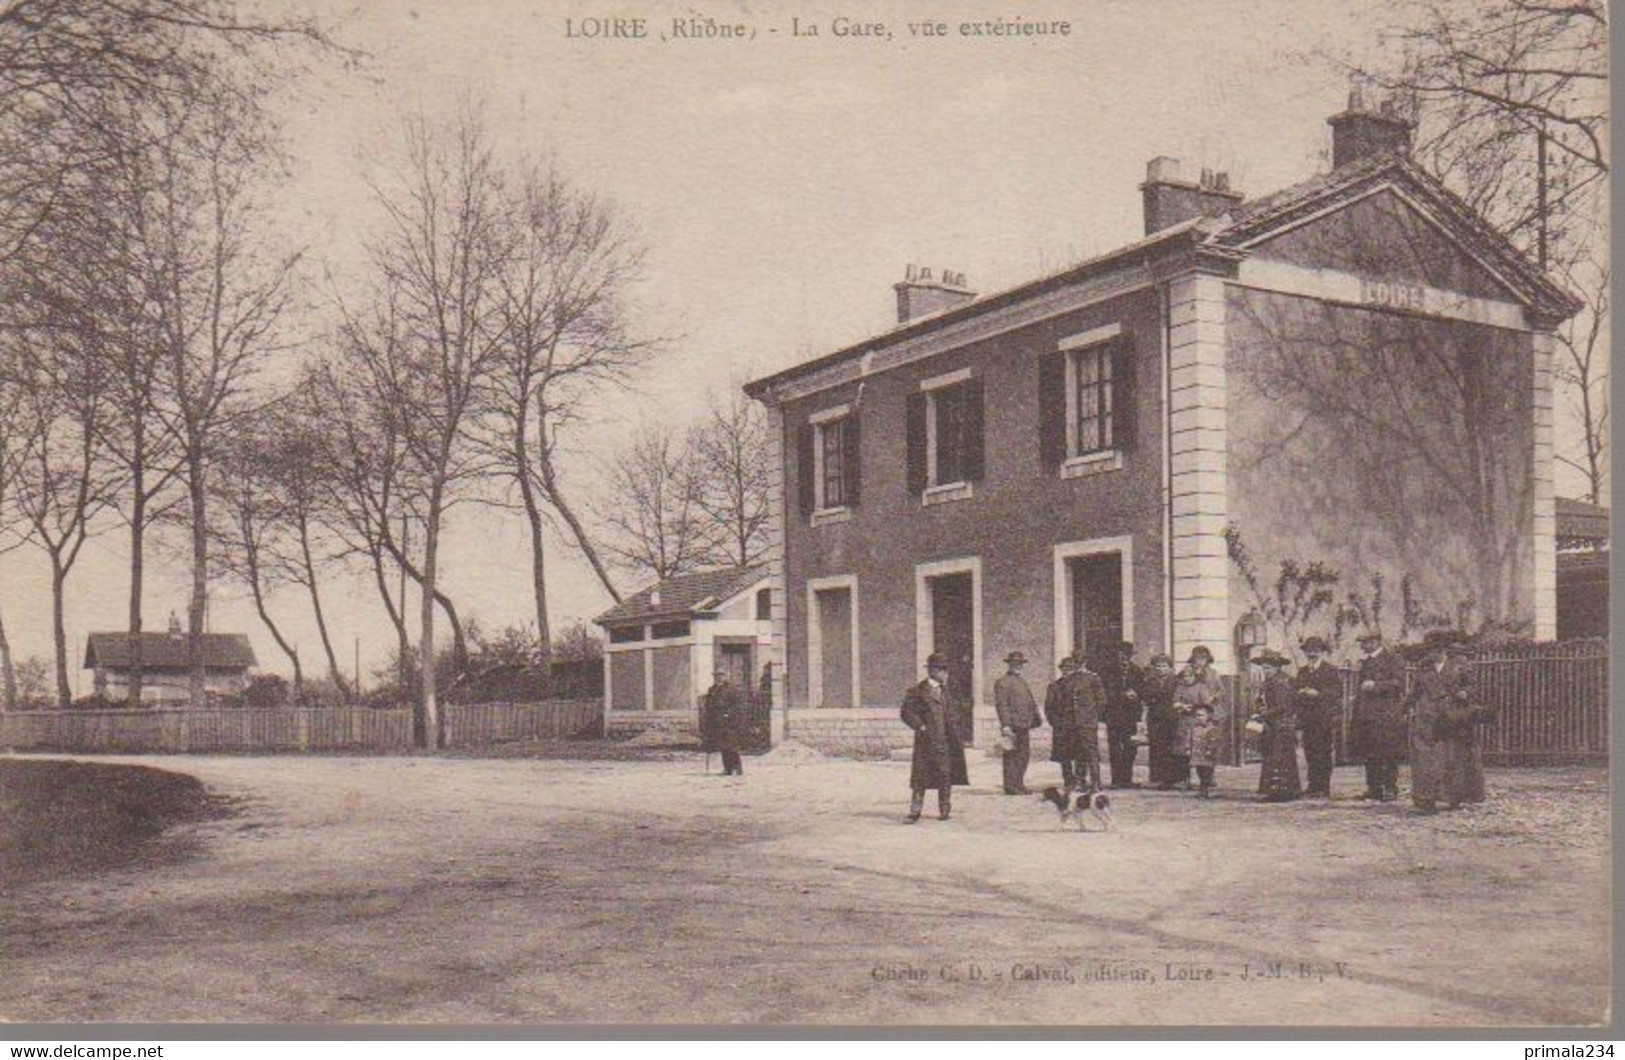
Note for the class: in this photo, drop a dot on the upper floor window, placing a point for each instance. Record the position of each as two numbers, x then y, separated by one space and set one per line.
764 604
1086 401
827 468
945 444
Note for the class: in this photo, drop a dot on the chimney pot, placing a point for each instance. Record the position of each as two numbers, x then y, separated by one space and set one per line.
1161 169
923 294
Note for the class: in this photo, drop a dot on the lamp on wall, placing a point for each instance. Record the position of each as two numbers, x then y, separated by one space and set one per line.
1249 634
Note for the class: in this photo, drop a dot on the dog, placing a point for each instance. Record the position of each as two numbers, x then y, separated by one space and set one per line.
1072 806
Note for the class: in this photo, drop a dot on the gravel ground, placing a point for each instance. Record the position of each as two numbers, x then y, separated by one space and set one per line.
521 890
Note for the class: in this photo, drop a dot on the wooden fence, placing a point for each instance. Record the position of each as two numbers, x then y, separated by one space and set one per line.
1550 703
367 730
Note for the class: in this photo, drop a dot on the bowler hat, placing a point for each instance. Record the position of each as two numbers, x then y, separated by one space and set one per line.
1161 657
1127 647
936 661
1315 644
1015 657
1268 657
1069 662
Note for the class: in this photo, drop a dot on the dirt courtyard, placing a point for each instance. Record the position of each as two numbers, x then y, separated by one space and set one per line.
527 891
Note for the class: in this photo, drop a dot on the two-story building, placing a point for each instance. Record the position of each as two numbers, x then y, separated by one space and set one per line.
1322 410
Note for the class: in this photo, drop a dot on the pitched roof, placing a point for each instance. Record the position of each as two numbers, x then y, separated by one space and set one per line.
683 595
1579 519
167 651
1224 236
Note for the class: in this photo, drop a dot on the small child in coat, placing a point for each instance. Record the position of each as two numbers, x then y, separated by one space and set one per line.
1205 740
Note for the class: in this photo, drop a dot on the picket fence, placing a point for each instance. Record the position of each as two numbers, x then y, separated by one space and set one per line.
359 729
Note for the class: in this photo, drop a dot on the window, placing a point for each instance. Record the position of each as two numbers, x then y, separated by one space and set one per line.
832 464
945 436
827 464
626 634
1092 392
667 630
764 605
1086 402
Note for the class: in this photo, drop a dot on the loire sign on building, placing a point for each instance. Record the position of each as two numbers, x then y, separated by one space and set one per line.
1345 384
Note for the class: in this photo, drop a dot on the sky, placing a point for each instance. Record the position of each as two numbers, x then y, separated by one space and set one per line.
782 186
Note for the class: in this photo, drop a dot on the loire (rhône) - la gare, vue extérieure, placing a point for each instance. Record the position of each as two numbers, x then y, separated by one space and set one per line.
1354 372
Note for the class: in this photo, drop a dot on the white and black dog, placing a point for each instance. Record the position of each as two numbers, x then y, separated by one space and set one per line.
1072 806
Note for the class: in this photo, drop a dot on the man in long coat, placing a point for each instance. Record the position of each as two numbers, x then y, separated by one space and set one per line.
1433 760
1319 688
1058 712
1078 707
939 755
720 723
1161 719
1379 731
1018 716
1121 681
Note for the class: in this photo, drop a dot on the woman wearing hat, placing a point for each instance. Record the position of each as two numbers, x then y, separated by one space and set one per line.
939 756
1319 687
1198 687
1278 779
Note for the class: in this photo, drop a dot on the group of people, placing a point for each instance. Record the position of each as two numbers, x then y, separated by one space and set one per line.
1178 715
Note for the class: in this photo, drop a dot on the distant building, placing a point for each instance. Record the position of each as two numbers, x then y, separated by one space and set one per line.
166 667
665 642
1582 569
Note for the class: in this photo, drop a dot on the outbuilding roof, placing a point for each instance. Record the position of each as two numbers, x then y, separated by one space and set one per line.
168 651
683 595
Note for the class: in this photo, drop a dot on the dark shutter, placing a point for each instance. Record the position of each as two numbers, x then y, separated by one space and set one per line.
916 443
971 441
1052 408
1123 397
850 449
805 487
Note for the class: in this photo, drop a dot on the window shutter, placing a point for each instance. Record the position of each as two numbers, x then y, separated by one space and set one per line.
850 447
916 443
1123 398
805 487
1052 408
972 440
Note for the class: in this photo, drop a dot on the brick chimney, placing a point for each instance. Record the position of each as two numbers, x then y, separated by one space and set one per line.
1171 199
1361 132
921 295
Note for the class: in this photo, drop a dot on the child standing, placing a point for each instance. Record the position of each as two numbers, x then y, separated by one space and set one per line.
1205 738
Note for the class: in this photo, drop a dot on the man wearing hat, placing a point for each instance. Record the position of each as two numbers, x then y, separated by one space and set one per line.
1278 778
939 756
1121 680
1018 716
1318 689
1379 731
1074 713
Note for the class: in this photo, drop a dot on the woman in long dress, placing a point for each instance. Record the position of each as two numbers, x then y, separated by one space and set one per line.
1278 780
1198 686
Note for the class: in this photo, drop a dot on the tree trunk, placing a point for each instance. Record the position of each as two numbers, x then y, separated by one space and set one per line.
8 673
276 635
59 631
397 618
138 524
200 587
321 619
426 647
555 496
538 575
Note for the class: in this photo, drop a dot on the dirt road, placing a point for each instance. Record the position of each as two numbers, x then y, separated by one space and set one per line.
471 891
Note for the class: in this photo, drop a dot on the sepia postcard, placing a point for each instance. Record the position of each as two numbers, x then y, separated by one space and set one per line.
1064 514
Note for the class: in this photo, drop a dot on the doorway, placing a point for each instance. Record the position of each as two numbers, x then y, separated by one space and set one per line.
734 659
1096 602
952 601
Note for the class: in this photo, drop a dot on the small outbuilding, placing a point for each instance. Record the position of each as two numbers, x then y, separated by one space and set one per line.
1582 569
165 663
665 642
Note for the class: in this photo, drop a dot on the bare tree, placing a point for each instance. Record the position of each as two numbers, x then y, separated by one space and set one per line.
732 454
248 529
15 440
562 311
650 507
1583 366
432 336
